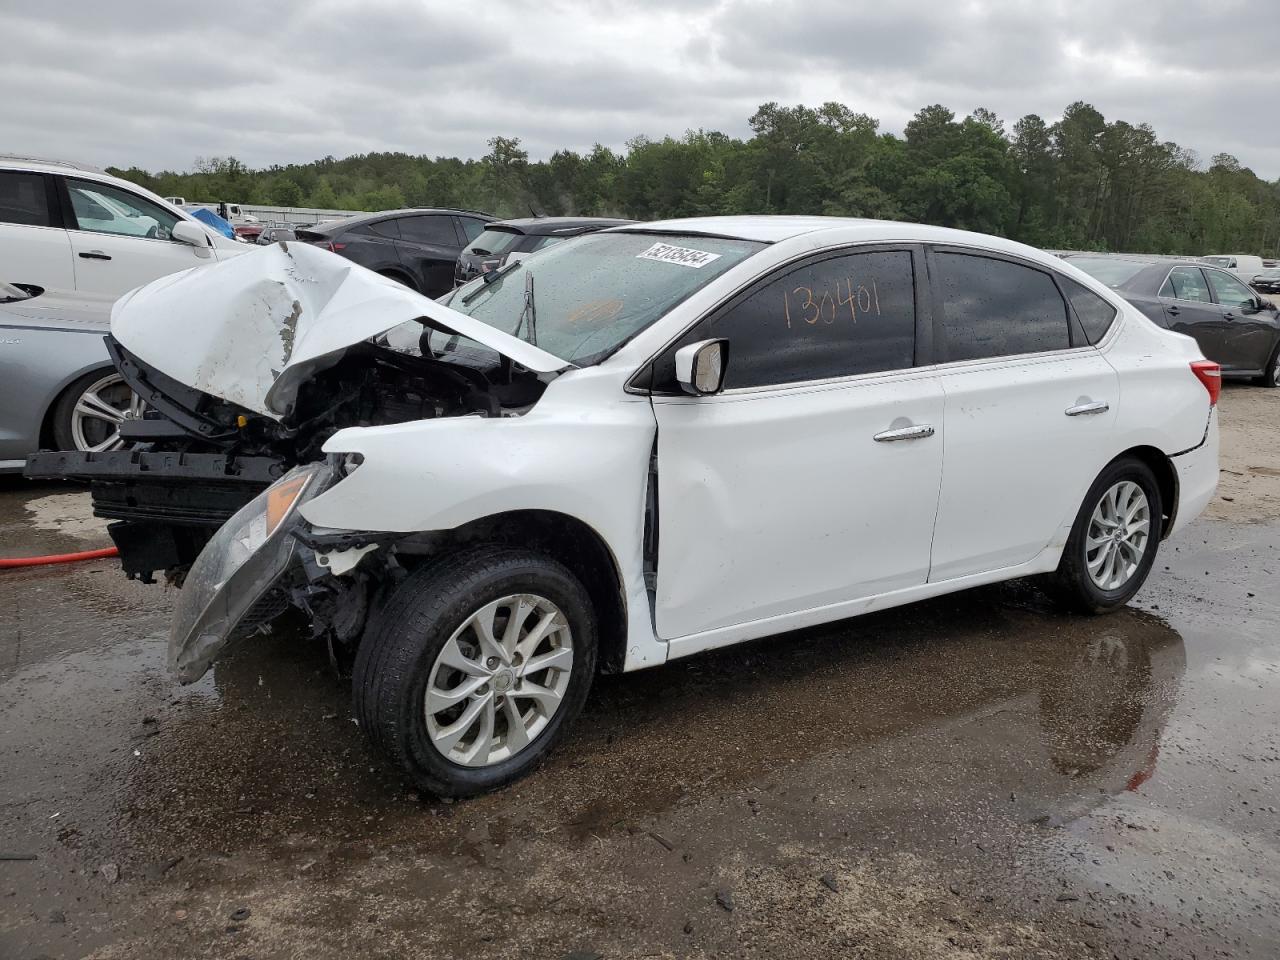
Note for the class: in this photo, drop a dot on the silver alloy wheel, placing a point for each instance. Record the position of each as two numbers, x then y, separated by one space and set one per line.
99 411
1118 533
499 680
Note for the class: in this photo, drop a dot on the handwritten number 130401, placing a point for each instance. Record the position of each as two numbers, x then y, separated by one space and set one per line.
811 309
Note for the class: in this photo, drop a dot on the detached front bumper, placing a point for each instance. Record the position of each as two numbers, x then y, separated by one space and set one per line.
166 505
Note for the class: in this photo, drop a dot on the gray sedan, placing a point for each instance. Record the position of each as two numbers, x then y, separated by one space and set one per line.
58 387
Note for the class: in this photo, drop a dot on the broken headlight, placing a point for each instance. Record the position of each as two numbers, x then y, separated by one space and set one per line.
229 589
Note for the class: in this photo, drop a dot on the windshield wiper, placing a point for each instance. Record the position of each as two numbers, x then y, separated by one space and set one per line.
529 310
489 279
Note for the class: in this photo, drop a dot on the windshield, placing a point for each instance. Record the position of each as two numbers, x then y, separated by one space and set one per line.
1111 272
594 294
492 242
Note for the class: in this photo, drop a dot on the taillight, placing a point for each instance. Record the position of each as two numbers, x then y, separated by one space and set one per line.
1210 374
336 247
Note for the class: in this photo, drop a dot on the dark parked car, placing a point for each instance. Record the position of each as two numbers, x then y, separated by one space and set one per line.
503 238
416 247
1268 281
1233 325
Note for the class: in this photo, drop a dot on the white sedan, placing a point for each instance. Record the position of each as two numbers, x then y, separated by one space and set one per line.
688 434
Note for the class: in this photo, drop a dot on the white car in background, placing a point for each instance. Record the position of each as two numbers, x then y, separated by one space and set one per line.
677 436
71 228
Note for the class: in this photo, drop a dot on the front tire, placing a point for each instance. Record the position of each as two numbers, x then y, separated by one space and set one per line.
1272 376
1114 540
475 668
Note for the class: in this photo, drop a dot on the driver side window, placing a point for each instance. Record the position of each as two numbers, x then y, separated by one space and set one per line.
101 208
835 317
1229 291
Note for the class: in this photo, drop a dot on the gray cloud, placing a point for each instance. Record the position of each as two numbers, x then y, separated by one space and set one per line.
157 84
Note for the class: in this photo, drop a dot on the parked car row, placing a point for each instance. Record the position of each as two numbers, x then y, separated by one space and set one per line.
1232 324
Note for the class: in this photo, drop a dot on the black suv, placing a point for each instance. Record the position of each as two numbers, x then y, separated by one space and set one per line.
417 247
502 238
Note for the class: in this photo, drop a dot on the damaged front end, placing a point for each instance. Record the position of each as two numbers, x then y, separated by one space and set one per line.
263 561
248 366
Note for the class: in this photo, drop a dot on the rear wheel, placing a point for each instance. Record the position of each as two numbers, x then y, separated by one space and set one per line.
400 278
475 668
1114 539
88 415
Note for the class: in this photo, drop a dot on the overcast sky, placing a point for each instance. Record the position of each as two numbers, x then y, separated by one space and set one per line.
157 84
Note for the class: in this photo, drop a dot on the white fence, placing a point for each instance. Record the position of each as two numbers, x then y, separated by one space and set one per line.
294 214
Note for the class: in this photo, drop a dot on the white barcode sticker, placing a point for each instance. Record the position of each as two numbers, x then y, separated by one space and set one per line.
684 256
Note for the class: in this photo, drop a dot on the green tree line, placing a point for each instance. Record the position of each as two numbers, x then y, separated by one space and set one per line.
1079 183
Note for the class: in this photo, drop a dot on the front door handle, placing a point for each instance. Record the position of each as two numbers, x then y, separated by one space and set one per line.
1228 316
918 432
1088 409
94 255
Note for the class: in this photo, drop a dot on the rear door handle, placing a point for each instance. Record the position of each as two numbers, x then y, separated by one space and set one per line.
94 255
918 432
1088 409
1173 311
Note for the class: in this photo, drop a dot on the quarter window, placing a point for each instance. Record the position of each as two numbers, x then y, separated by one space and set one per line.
471 227
1227 290
1186 283
23 199
829 318
101 208
1095 314
390 229
994 308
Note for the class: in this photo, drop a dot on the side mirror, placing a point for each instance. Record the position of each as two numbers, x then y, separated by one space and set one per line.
184 231
700 366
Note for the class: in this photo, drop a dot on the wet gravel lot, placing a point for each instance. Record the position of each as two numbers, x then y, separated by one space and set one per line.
976 776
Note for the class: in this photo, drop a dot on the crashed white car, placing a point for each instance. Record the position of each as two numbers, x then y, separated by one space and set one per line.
684 435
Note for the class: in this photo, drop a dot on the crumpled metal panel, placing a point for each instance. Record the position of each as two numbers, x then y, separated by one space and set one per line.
253 328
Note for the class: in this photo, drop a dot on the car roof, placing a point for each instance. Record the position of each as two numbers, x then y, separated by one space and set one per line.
359 219
47 164
551 226
816 230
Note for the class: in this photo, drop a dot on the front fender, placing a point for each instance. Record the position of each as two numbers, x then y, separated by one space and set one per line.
586 460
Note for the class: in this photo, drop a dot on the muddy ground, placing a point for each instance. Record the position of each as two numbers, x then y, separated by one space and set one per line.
976 776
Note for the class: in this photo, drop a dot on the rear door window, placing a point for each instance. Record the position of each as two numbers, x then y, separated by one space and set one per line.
24 199
435 231
829 318
1094 313
995 308
1186 283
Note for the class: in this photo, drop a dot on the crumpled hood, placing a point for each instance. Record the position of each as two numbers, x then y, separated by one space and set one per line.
253 328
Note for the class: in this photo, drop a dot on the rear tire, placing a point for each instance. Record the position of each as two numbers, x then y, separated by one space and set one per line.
424 667
401 279
1113 542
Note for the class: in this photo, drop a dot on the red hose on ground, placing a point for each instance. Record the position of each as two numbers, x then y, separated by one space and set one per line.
58 558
